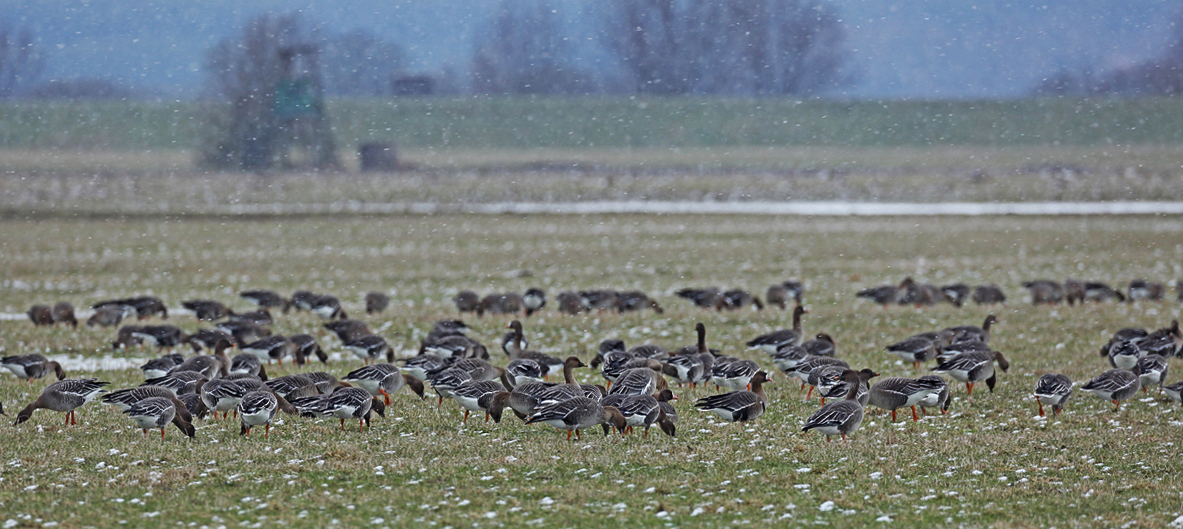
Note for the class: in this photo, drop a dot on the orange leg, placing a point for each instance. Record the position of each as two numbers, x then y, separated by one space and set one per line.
465 421
161 434
914 417
969 388
342 425
360 428
892 415
609 384
486 416
1040 407
810 393
386 395
267 431
145 430
248 432
843 438
578 435
823 401
1117 404
568 435
828 439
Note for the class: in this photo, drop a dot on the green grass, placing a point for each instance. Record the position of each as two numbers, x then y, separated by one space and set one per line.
1090 467
612 122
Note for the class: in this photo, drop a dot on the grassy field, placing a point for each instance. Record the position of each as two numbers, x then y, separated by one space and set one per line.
591 123
991 462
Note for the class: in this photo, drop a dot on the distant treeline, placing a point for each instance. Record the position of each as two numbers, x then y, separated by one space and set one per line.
613 122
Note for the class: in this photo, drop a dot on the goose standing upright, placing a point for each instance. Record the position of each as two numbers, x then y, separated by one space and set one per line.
769 343
738 406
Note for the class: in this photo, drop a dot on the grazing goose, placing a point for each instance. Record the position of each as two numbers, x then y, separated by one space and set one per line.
1125 355
578 414
258 317
108 316
265 299
156 412
804 368
736 299
863 394
376 302
257 408
423 366
649 351
550 364
212 366
179 382
738 406
222 396
788 356
534 300
1053 389
1165 341
64 313
344 403
612 364
207 309
306 347
735 375
893 393
646 410
249 364
158 367
1152 371
467 301
639 381
126 398
193 405
988 295
371 348
973 333
600 300
771 342
781 293
64 396
635 300
208 339
823 378
1100 292
162 336
1128 334
921 348
327 307
882 295
1143 290
144 307
444 381
476 395
1045 291
384 380
571 303
520 371
348 330
974 366
706 298
842 417
456 346
507 303
32 366
1175 392
302 300
941 398
244 331
956 293
275 347
820 345
1114 385
40 315
523 400
688 365
294 386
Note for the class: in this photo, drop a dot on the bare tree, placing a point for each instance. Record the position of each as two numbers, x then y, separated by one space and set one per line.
21 63
646 37
523 51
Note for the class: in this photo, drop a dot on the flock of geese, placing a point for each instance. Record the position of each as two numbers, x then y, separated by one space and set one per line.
636 392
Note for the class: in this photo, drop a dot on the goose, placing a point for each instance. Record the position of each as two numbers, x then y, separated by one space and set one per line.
737 299
600 300
639 381
257 408
635 300
148 306
293 386
63 312
788 356
179 382
520 371
522 399
1052 389
1045 291
212 366
780 293
208 339
973 333
534 300
612 364
893 393
249 364
163 336
706 298
550 364
738 406
244 331
820 345
352 403
736 375
920 348
265 299
1114 385
578 414
649 351
988 295
1125 355
156 412
64 396
376 302
1128 334
327 307
108 316
1152 371
1143 290
571 303
1165 341
972 367
771 342
688 365
863 394
423 366
193 405
467 301
956 293
802 369
882 295
444 381
221 396
507 303
32 366
823 378
348 330
954 349
258 317
275 347
940 398
455 346
207 309
324 382
371 348
1100 292
40 315
124 399
302 300
841 417
507 342
158 367
384 380
476 395
442 329
645 410
1175 392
